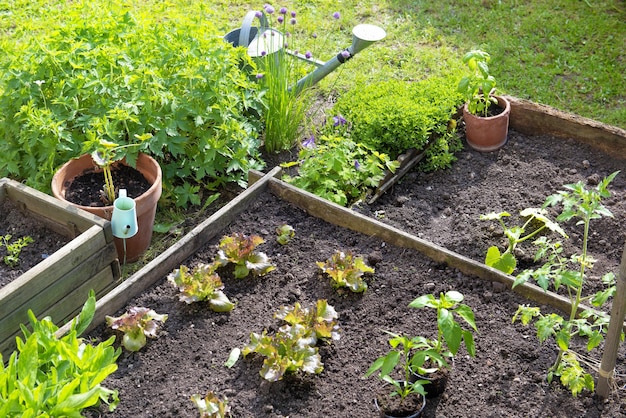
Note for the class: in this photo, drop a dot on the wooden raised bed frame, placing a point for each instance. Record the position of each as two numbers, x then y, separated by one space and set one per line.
59 285
526 117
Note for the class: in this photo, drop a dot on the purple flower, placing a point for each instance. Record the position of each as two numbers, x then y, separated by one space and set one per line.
268 9
280 19
263 53
308 54
293 14
336 15
309 142
292 21
339 120
259 76
314 35
345 53
283 11
258 14
357 165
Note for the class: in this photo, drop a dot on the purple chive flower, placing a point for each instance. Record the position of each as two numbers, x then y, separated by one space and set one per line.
269 9
283 11
357 165
309 142
292 21
336 15
339 120
280 19
263 53
258 14
259 76
308 54
345 53
293 14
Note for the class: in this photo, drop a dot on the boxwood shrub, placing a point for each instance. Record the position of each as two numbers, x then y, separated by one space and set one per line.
394 116
123 72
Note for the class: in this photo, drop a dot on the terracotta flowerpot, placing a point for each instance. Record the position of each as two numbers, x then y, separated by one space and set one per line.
146 203
487 133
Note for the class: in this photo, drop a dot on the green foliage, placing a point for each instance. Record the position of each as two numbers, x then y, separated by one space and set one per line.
450 334
136 323
240 250
585 205
211 406
536 220
410 354
293 347
339 169
117 73
284 234
479 85
202 283
394 116
346 270
14 249
50 376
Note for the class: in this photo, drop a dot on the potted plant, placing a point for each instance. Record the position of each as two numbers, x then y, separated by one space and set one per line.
408 396
486 115
106 159
450 334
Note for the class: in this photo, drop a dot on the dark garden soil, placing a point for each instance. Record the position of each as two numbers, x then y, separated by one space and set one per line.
45 241
505 379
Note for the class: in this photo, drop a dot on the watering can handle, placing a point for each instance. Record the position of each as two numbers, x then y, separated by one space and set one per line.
244 33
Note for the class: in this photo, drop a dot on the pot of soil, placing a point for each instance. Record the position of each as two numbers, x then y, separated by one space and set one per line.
437 381
80 182
488 133
411 406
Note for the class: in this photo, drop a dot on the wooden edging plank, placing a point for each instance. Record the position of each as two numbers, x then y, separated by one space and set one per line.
346 218
171 258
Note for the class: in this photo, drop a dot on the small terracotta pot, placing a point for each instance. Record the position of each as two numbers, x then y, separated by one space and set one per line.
490 133
146 204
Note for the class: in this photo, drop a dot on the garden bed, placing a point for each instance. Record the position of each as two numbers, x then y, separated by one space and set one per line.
439 245
56 285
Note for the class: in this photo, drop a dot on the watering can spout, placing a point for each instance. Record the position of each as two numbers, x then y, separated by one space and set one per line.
362 36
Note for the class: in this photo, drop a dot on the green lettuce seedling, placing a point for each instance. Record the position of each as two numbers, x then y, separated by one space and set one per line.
14 249
240 250
293 347
136 324
583 204
52 375
284 234
211 406
346 270
202 283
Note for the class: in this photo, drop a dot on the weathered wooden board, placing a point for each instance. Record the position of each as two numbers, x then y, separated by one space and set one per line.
59 285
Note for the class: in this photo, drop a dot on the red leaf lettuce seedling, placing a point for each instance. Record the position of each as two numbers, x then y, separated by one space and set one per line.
346 270
211 406
202 283
240 250
136 324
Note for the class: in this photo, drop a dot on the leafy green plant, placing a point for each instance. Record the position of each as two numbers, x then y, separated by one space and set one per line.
346 270
202 283
339 169
211 406
113 75
479 85
536 221
394 116
105 153
293 347
284 234
584 205
14 249
407 355
240 250
57 376
450 333
136 323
